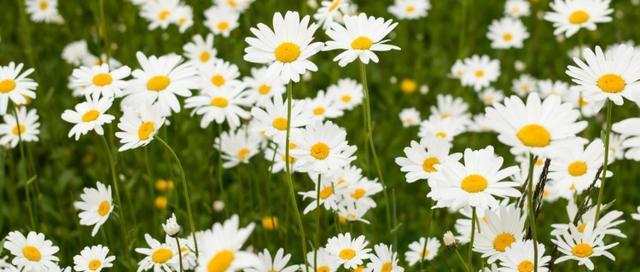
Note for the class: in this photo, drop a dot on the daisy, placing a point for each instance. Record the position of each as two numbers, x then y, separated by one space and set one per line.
359 38
612 76
322 107
606 224
234 5
520 257
582 246
410 117
272 119
616 148
276 264
26 128
517 8
346 94
93 259
262 87
463 224
217 75
100 81
449 107
159 13
459 69
278 156
322 260
480 123
285 49
95 206
499 231
31 253
330 193
189 258
445 128
322 147
480 71
629 129
332 11
384 260
74 52
476 182
360 192
419 252
200 51
490 96
348 252
220 247
15 86
410 9
159 81
91 60
139 128
524 85
221 21
536 127
507 33
636 215
549 87
220 105
569 16
44 11
238 146
183 17
587 107
422 159
88 116
160 257
350 212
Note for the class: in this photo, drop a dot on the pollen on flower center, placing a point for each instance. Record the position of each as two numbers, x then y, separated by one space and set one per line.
280 123
578 17
219 102
103 208
91 115
318 111
217 80
264 89
479 73
334 5
611 83
428 165
358 193
581 227
326 192
503 241
320 151
287 52
223 26
474 183
18 130
145 130
525 266
161 255
582 250
410 9
386 267
361 43
163 15
158 83
221 261
346 98
441 134
323 268
347 254
31 253
507 37
205 56
95 264
102 79
7 85
533 135
243 153
577 168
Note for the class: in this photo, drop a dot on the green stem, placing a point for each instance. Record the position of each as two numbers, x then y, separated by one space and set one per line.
292 194
532 217
607 133
319 210
24 170
102 30
466 267
185 189
219 168
474 218
179 253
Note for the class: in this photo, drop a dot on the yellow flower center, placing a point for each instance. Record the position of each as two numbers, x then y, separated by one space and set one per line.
160 202
18 130
346 98
479 73
507 37
326 192
441 134
205 56
582 250
503 241
158 83
102 79
217 80
103 208
95 264
232 3
221 261
318 111
320 151
145 130
164 15
280 123
334 5
579 17
583 102
31 253
270 222
408 86
611 83
533 135
577 168
474 183
347 254
428 165
91 115
181 21
7 85
222 26
219 102
361 43
161 255
264 89
287 52
323 268
581 227
410 9
358 193
386 267
243 153
525 266
44 5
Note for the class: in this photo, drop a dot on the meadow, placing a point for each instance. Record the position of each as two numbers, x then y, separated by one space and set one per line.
208 171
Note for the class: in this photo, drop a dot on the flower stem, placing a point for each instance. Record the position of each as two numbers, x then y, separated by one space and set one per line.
219 169
185 190
466 267
607 135
474 218
292 194
532 217
24 170
179 252
319 210
102 30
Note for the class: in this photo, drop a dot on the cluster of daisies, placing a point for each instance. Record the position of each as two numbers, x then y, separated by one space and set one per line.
44 11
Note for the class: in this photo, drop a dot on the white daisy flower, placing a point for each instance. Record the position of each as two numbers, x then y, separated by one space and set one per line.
217 75
99 81
574 168
449 107
324 261
31 253
445 128
159 13
629 129
410 9
271 119
410 117
350 212
221 21
360 192
384 260
25 129
200 51
607 224
524 85
480 71
220 247
490 96
499 231
285 49
507 33
139 127
322 107
636 215
459 69
322 147
234 5
422 159
74 52
89 116
238 146
278 263
517 8
15 86
277 154
160 257
463 224
419 252
95 206
45 11
93 259
183 17
475 183
332 11
549 87
189 259
262 87
480 123
359 38
330 193
616 147
578 100
348 252
220 105
347 94
569 16
582 246
520 257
